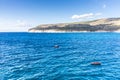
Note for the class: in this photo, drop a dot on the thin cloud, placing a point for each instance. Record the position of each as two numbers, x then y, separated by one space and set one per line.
104 6
89 15
17 25
21 23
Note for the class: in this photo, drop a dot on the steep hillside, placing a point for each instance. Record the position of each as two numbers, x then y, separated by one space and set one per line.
106 24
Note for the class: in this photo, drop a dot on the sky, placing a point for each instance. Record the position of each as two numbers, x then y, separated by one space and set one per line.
21 15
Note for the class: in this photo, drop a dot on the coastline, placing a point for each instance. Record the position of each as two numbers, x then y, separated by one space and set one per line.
53 31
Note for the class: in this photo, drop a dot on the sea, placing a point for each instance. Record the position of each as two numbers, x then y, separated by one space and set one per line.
33 56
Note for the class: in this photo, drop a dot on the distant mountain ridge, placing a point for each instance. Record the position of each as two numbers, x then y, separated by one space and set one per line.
99 25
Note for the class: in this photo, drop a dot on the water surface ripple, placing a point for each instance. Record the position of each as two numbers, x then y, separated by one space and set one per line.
32 56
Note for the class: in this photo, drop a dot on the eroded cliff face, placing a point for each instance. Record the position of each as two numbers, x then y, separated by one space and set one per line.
106 24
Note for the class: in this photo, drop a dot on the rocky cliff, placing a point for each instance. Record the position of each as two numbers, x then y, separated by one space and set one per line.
106 24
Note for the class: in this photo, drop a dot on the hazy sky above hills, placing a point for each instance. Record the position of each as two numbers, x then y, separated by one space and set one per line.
20 15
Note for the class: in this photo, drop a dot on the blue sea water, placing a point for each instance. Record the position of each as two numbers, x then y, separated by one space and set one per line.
32 56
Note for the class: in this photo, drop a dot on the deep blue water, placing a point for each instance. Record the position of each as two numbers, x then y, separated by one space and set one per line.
32 56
